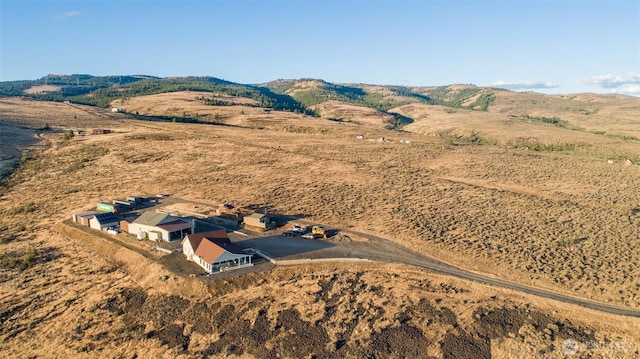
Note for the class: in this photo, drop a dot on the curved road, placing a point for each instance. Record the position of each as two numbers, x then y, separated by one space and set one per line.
385 250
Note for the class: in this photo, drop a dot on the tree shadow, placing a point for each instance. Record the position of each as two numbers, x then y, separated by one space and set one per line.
399 121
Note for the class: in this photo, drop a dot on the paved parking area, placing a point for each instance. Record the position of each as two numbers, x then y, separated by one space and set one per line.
280 247
277 246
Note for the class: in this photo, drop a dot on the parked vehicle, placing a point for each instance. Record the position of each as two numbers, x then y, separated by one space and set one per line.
319 232
308 236
290 233
298 229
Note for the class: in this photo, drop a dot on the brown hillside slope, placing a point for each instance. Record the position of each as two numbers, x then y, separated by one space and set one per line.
185 104
516 212
613 114
564 221
351 113
515 130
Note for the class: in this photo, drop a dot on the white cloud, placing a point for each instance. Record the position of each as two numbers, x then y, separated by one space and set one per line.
68 14
523 85
612 81
628 89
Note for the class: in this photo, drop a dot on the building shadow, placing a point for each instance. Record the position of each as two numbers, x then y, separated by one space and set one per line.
281 247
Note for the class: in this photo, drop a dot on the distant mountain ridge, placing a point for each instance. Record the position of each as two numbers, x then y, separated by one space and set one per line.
311 92
102 90
450 106
302 95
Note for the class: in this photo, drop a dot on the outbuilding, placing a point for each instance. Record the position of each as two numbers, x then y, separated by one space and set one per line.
100 131
107 207
83 218
159 227
259 220
125 205
135 199
102 221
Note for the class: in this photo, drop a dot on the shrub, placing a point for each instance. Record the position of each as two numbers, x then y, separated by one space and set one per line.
29 255
542 147
473 137
68 135
23 209
556 121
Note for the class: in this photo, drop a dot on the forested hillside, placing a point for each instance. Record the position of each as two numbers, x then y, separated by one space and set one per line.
311 92
286 95
100 91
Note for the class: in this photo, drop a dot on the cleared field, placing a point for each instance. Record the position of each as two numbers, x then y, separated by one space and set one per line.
42 88
613 114
186 104
357 114
564 220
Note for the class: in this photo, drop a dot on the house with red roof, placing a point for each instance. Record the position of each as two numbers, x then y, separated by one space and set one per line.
214 252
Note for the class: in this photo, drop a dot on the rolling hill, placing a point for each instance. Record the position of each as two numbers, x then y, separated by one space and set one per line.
101 91
432 110
533 189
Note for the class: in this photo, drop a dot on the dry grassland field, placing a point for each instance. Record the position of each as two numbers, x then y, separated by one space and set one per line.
564 220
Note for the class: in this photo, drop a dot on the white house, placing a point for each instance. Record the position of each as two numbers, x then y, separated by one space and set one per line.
213 251
102 221
159 227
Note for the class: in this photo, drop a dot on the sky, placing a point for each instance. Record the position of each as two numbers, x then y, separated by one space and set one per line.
548 46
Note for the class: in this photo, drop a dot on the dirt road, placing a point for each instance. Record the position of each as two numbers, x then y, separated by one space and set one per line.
382 249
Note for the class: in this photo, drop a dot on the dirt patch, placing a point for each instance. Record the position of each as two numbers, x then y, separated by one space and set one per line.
464 346
404 341
190 209
300 338
239 336
163 310
197 312
443 315
508 321
171 336
128 300
500 322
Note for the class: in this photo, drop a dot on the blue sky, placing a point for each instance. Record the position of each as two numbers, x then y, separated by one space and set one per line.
547 46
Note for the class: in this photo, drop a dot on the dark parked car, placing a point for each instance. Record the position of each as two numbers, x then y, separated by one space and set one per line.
290 233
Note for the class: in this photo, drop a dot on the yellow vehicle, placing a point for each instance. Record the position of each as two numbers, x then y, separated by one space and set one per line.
319 232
